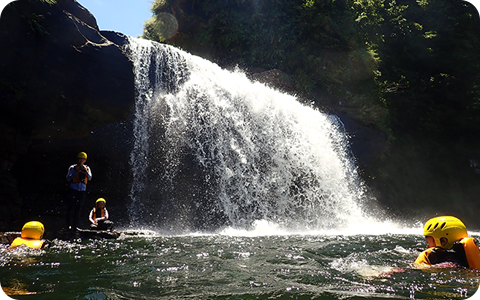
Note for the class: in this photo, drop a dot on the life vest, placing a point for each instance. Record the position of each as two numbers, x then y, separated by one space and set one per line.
31 243
471 252
99 214
464 253
80 177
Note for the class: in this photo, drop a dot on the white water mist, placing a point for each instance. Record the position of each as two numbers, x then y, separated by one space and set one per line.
262 154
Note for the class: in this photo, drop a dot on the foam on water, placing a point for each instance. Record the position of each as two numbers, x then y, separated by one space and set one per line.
369 227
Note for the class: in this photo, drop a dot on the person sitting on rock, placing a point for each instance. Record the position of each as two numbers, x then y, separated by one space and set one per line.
32 233
99 216
448 243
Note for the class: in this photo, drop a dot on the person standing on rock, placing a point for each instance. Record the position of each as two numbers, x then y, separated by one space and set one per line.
78 176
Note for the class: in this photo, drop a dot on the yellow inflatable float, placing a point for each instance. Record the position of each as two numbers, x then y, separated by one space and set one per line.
32 233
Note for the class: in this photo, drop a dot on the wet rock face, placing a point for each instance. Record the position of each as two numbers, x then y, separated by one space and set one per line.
60 78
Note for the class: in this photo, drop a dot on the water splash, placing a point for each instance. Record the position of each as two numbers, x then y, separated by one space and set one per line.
213 149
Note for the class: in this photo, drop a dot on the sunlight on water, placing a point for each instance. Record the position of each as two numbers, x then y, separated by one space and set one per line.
252 152
148 265
368 227
261 228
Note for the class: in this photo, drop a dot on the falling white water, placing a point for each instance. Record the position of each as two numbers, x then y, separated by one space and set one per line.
209 142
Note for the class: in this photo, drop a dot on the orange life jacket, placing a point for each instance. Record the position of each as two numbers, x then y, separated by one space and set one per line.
80 177
102 213
472 254
31 243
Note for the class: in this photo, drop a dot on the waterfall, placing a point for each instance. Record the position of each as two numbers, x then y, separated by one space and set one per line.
214 149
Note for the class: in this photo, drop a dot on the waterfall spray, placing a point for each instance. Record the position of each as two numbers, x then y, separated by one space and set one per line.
214 149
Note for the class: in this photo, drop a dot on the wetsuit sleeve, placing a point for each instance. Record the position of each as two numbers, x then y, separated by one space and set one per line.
90 217
89 173
71 173
422 259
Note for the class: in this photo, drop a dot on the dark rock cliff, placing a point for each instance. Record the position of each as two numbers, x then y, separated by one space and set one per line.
61 81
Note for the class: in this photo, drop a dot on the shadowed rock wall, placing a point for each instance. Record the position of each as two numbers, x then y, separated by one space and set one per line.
61 80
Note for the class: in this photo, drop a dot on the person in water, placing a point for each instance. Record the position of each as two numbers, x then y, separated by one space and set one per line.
32 234
448 242
99 216
78 176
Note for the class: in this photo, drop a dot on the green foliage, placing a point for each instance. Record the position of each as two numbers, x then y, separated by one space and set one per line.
411 65
35 21
317 41
429 67
152 31
11 3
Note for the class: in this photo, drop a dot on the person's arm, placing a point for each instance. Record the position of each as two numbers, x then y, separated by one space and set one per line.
71 173
422 260
90 218
104 217
88 173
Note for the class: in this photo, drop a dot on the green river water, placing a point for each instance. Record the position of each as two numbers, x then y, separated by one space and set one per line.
232 266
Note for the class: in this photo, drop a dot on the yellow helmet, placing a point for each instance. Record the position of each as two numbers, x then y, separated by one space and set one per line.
100 200
33 230
82 155
446 226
